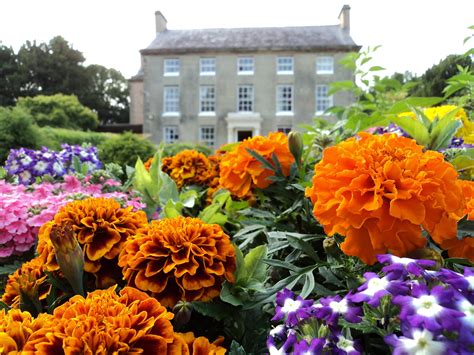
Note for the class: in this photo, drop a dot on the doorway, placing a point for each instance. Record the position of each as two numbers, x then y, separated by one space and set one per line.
244 134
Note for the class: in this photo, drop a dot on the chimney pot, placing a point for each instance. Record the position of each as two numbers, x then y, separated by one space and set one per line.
160 22
344 18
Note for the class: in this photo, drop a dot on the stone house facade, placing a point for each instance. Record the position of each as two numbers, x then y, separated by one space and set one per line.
217 86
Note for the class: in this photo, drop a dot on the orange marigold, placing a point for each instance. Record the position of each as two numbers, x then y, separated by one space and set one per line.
463 248
106 323
179 259
201 345
16 327
187 167
30 276
147 164
101 227
378 191
240 172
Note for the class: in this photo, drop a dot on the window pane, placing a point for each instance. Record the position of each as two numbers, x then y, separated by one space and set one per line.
323 100
325 65
245 98
170 134
207 135
245 64
171 66
207 99
285 64
171 99
284 98
284 129
207 66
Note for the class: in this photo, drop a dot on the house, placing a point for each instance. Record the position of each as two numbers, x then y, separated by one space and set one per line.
216 86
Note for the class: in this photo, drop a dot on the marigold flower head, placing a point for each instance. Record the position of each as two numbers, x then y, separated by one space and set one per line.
179 259
104 322
15 329
188 167
463 248
378 191
202 345
240 172
101 227
30 275
148 163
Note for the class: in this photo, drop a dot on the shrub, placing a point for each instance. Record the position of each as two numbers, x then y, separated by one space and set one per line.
59 111
54 137
172 149
17 129
125 149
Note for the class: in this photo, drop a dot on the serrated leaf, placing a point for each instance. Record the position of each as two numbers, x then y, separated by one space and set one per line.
213 309
229 297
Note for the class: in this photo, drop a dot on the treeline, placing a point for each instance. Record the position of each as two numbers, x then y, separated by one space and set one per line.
56 67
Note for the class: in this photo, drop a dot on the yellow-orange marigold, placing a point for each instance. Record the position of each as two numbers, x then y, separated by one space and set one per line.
101 227
202 345
179 259
106 323
147 164
30 276
463 248
240 172
16 327
188 167
378 191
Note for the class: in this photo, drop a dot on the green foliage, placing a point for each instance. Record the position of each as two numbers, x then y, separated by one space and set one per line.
17 129
9 76
124 149
59 111
53 137
172 149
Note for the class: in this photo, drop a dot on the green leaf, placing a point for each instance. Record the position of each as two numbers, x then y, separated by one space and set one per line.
415 129
282 264
376 68
236 349
361 121
261 159
214 309
229 297
407 104
4 306
304 246
172 209
253 266
308 285
443 132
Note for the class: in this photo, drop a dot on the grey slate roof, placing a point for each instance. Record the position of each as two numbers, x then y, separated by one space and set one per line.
308 38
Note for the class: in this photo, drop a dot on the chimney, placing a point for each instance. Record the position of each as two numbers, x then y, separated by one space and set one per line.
160 22
344 18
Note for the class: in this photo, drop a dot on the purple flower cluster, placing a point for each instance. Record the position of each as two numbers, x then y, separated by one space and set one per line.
434 312
311 327
28 164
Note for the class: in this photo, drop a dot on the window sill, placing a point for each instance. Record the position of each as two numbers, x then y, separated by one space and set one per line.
207 114
324 72
284 72
285 113
207 74
170 114
245 73
171 74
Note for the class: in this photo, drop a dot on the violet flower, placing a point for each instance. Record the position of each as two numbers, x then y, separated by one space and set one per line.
291 308
314 347
420 342
399 267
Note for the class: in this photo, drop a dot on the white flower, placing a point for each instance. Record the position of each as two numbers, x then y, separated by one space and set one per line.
470 280
468 309
290 306
41 166
277 330
26 160
427 306
345 344
339 307
375 284
422 344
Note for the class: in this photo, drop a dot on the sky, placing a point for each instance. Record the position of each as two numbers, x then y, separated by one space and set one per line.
414 34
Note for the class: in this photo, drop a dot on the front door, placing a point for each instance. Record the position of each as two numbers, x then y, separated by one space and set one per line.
244 134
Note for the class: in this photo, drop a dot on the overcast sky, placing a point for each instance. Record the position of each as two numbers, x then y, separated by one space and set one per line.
414 34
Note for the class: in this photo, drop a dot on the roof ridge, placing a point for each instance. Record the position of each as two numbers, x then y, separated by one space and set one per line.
247 28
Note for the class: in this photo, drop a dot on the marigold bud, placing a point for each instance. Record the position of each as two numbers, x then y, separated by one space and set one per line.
330 247
428 254
69 255
295 143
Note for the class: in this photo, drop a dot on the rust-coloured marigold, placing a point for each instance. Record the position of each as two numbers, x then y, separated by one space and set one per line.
463 248
378 191
202 345
148 163
16 327
101 227
106 323
188 167
179 259
240 172
29 276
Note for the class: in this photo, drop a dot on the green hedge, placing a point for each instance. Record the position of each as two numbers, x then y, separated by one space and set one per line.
54 137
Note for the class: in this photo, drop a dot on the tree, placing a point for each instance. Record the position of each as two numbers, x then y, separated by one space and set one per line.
59 110
107 94
10 79
433 81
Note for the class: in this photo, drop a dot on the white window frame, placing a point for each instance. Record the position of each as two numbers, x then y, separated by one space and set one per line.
325 65
171 67
284 129
281 100
245 65
170 134
322 103
205 101
207 66
171 100
207 135
241 101
285 65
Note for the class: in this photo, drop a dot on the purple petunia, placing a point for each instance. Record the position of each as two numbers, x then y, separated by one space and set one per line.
291 308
